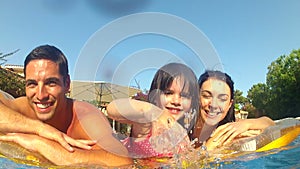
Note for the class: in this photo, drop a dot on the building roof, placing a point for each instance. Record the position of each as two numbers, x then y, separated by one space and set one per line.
18 69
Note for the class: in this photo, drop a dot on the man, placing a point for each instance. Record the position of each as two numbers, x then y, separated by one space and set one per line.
47 82
12 121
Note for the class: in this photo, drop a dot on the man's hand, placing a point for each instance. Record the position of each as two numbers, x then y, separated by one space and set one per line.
28 141
25 140
67 142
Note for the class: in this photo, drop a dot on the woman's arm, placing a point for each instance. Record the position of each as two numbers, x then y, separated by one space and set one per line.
258 123
224 134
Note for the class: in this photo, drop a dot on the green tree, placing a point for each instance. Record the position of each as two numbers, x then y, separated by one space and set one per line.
10 82
252 113
239 99
243 103
280 96
258 97
283 79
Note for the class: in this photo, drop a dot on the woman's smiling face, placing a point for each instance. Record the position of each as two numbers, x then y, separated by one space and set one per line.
215 100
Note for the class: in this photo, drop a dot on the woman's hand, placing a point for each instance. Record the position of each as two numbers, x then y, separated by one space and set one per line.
226 133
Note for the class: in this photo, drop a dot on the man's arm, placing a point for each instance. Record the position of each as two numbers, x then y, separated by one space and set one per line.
92 124
56 154
88 123
79 156
12 121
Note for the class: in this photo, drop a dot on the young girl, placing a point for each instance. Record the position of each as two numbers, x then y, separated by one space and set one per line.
174 92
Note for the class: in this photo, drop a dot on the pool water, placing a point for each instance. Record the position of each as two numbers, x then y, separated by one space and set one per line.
8 164
285 157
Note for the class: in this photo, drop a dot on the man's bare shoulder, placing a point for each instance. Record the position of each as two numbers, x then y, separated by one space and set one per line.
90 118
5 95
89 115
83 108
21 105
20 101
10 101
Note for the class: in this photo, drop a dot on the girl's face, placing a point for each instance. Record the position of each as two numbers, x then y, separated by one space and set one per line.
214 101
176 99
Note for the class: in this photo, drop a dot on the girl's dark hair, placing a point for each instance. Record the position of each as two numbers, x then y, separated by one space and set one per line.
230 117
50 53
163 80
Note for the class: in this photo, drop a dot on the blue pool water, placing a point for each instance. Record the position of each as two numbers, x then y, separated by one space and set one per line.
8 164
283 159
286 158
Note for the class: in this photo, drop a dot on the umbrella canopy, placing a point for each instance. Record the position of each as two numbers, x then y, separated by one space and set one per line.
101 92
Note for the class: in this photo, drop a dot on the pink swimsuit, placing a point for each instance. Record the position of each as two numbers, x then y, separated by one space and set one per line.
143 149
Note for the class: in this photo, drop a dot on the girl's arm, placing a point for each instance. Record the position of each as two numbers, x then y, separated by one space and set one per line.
132 111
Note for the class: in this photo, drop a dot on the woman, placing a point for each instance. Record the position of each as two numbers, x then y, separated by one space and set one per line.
174 92
217 113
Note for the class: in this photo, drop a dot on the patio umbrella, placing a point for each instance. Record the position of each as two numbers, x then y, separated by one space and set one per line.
99 91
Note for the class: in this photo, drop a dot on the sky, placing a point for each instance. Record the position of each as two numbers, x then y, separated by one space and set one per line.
126 41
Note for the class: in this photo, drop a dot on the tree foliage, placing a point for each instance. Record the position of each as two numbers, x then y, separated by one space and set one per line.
258 96
280 96
283 79
239 99
10 82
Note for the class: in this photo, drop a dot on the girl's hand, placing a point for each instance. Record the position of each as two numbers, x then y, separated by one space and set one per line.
163 123
168 135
